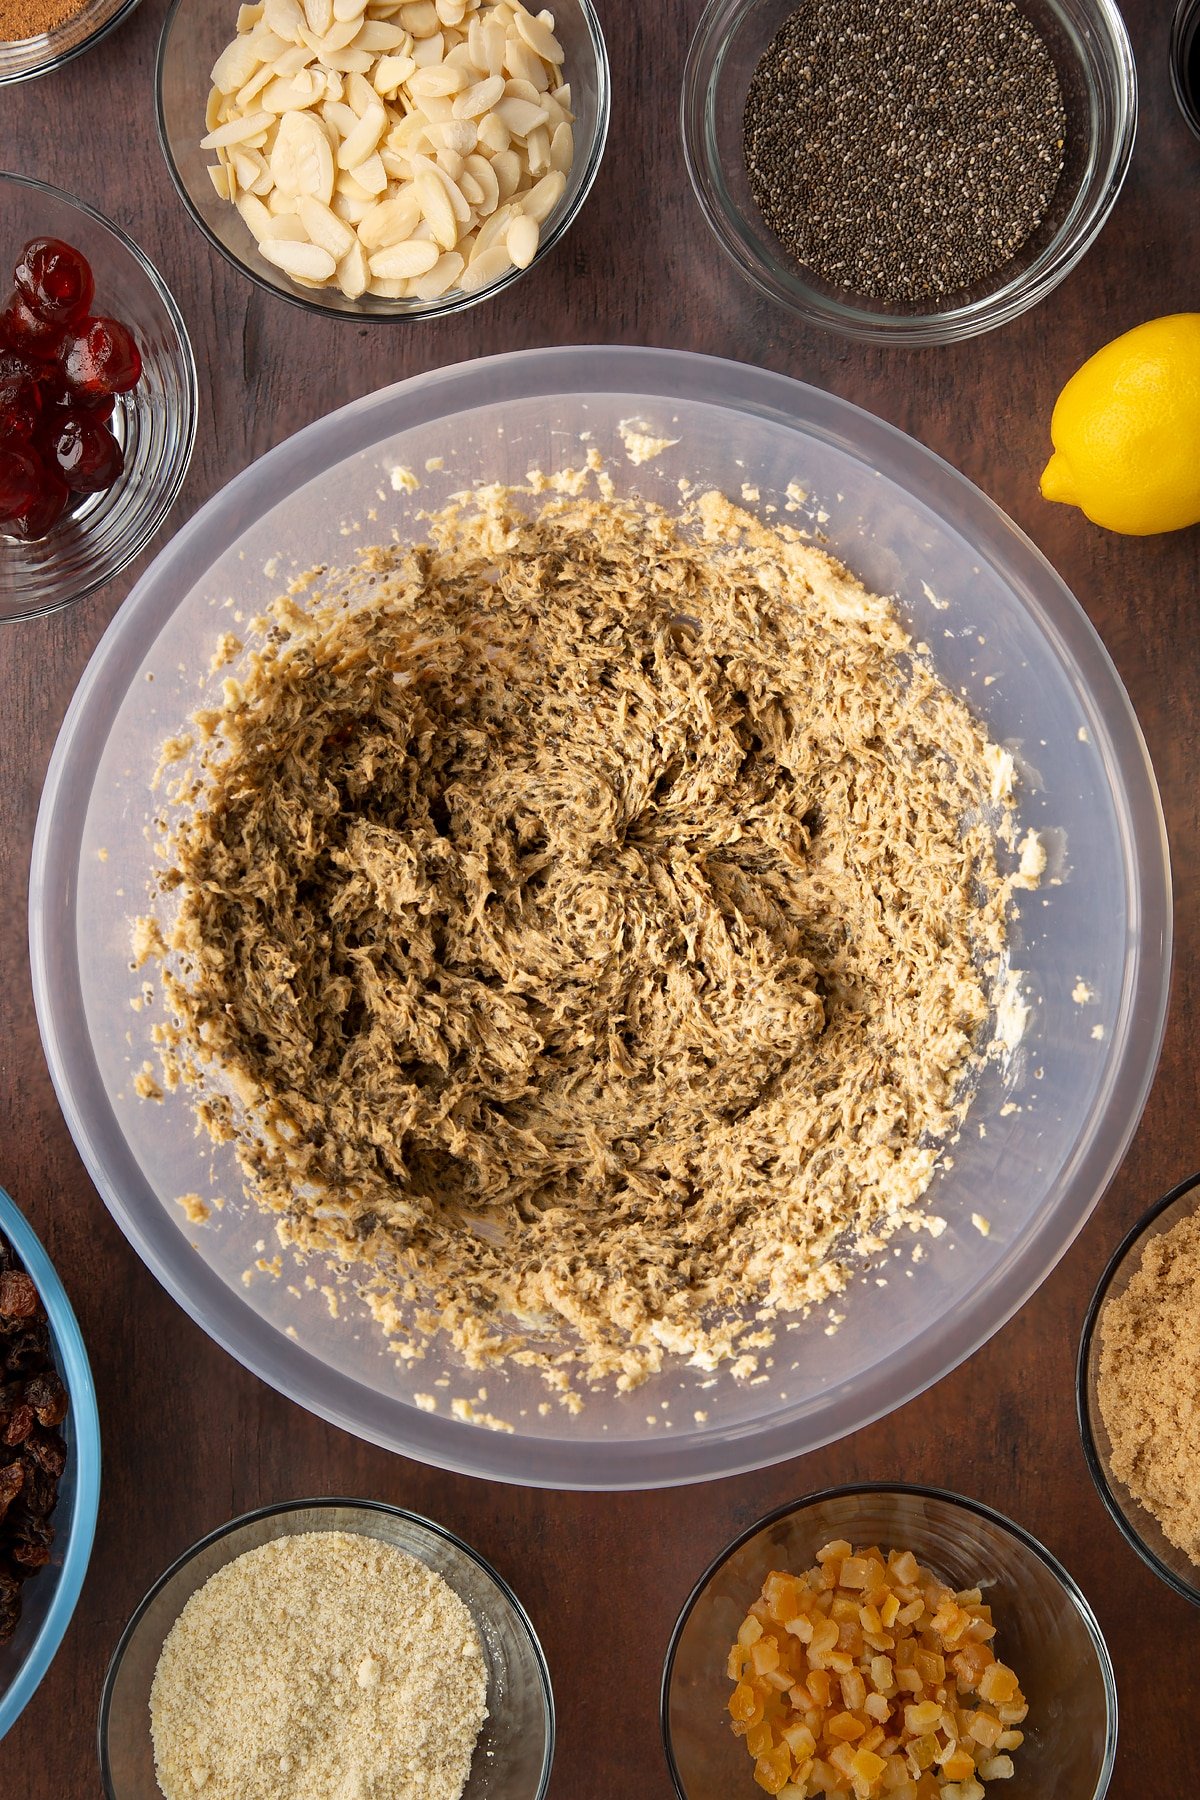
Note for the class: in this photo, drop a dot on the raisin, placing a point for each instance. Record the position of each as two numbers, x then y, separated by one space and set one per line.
47 1450
10 1605
20 1424
32 1543
28 1349
40 1492
18 1296
12 1480
47 1396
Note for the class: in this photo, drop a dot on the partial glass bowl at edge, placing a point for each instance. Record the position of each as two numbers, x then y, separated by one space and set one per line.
1094 60
156 423
1136 1524
1046 1632
23 58
193 35
516 1745
1057 1114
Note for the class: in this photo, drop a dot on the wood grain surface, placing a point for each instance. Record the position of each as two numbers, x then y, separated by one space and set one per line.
189 1437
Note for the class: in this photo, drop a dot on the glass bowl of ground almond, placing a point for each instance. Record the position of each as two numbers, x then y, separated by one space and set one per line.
1138 1386
888 1641
914 176
326 1648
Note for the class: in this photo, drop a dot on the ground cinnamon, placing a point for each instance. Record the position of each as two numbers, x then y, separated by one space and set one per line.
1149 1383
22 19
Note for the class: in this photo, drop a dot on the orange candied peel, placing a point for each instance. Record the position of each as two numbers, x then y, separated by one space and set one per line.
868 1677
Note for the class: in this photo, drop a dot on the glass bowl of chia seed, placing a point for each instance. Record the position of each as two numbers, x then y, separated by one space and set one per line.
909 178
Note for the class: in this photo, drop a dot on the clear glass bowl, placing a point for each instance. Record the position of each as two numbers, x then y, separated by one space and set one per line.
1092 53
193 35
156 423
1001 626
48 1598
1046 1631
22 59
516 1745
1137 1526
1185 61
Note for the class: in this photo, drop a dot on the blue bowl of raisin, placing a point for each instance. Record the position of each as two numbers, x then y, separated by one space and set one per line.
49 1462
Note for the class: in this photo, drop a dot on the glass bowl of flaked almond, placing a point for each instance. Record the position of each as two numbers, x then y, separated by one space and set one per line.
375 161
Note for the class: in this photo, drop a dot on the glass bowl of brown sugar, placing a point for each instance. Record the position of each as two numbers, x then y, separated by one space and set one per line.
908 177
39 35
1138 1387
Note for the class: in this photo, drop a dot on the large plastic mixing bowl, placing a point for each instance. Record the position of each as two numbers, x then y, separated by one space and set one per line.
1092 940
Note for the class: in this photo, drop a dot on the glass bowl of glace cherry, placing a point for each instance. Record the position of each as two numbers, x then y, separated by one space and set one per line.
97 399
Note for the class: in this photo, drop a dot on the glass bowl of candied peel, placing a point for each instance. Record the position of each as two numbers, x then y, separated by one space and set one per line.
887 1641
50 1478
98 399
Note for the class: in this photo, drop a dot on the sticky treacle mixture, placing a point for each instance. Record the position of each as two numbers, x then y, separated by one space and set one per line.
587 921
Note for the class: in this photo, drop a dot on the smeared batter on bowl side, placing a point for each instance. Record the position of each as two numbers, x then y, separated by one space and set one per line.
588 921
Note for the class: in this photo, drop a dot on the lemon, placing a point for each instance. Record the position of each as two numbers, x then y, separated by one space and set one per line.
1126 431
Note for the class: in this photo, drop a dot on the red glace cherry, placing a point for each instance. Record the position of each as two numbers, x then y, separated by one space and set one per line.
27 331
54 280
84 451
47 509
21 476
60 371
101 358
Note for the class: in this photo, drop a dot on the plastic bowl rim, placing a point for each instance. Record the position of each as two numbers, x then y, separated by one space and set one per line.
191 393
1091 1451
330 1503
81 1391
918 1491
452 302
457 1447
954 324
58 58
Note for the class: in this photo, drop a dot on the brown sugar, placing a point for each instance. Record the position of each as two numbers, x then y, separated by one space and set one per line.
1149 1383
23 19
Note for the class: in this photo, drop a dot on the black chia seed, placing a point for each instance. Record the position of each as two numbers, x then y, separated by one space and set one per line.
904 150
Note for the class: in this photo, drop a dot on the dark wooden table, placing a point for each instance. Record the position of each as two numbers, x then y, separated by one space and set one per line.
189 1437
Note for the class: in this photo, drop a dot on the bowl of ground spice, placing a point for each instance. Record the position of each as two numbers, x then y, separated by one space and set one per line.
326 1649
1139 1388
914 173
39 35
